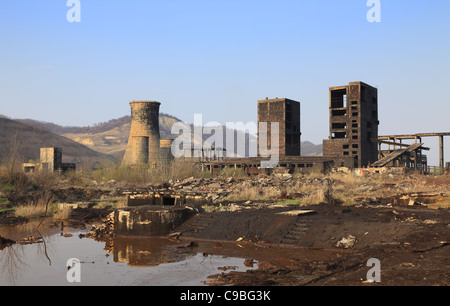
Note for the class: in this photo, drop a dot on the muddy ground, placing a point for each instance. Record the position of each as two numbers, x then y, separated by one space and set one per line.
403 222
410 243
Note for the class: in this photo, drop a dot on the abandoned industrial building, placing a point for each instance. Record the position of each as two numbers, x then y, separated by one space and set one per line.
353 140
50 161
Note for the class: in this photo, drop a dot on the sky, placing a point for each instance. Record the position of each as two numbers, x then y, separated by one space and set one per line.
218 57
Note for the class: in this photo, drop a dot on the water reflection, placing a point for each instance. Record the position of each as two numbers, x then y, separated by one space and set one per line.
130 261
124 261
141 252
13 263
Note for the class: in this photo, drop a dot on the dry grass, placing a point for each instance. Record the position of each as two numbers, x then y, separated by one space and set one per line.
254 194
63 214
30 210
144 174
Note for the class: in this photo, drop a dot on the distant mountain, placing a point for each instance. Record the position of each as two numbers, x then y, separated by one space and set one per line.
26 141
111 137
310 149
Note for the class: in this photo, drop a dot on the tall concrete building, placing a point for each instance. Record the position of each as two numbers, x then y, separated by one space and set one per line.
353 123
144 140
287 113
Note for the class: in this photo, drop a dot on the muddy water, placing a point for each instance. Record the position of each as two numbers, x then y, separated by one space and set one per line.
128 261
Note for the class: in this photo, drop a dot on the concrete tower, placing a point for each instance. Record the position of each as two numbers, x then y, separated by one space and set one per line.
144 140
287 113
353 123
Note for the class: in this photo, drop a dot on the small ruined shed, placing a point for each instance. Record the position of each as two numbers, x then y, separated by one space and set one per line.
50 160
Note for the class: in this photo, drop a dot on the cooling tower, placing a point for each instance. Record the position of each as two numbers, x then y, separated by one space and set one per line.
165 151
144 140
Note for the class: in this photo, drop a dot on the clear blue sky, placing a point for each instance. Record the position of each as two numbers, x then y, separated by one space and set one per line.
218 57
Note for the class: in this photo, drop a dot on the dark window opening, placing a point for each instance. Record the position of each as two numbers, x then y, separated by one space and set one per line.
355 146
338 98
339 125
355 137
168 201
345 147
354 102
339 112
339 135
346 153
354 152
354 125
355 114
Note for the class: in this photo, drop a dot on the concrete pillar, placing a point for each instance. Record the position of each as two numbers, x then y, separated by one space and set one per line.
441 151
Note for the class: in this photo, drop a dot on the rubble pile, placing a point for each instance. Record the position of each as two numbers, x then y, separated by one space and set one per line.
103 231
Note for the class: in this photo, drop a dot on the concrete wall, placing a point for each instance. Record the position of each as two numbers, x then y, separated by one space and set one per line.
149 220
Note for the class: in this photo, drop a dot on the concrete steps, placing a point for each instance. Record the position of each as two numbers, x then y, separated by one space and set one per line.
298 231
201 222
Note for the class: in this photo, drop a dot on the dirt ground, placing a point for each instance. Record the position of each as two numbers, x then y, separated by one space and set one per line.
410 243
322 244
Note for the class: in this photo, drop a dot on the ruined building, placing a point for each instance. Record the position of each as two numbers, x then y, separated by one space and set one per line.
353 125
353 140
50 161
287 113
144 143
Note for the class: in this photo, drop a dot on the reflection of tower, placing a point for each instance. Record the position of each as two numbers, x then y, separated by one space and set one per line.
144 140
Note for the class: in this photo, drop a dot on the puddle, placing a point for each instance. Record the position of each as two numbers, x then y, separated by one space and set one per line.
132 261
129 261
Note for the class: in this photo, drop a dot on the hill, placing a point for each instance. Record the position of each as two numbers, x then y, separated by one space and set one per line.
111 137
26 141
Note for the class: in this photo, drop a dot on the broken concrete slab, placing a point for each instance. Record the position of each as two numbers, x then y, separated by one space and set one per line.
297 212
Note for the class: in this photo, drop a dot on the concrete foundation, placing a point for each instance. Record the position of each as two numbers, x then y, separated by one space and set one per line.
149 220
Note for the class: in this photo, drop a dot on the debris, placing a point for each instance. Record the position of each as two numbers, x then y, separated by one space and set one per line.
297 212
225 268
175 235
430 222
30 240
346 242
